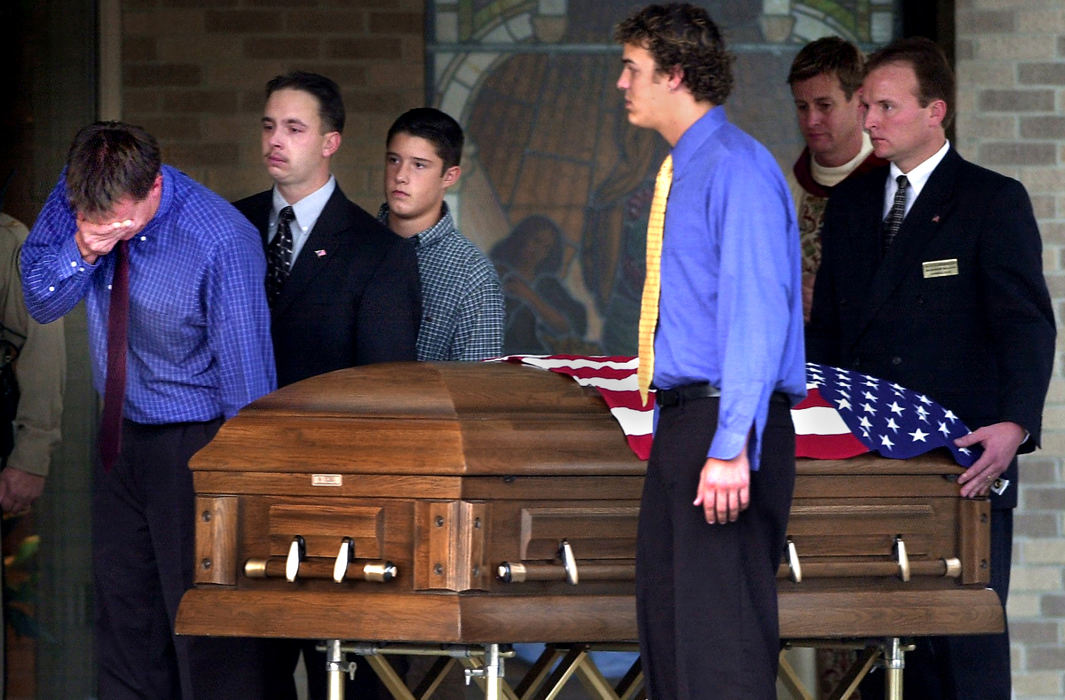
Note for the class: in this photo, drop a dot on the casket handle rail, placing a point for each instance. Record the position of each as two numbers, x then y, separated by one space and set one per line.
900 565
566 568
297 565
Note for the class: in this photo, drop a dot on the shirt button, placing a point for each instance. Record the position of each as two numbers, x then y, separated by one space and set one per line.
51 289
896 360
73 263
144 238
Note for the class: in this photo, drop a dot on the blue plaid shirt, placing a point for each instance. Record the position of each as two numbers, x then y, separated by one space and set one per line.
462 302
199 326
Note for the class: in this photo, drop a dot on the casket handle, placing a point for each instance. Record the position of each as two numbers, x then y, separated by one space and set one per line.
344 557
373 570
569 562
296 552
794 565
899 552
525 571
297 565
589 570
946 568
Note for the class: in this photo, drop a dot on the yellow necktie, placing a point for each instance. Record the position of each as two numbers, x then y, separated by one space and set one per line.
652 283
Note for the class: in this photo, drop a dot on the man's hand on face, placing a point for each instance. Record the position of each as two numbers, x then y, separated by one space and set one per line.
95 238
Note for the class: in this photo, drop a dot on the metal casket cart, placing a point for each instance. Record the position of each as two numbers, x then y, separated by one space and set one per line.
451 508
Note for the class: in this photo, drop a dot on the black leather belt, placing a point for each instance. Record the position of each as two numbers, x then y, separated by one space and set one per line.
703 390
686 392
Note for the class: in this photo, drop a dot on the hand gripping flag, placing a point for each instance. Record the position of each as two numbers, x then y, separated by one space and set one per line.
844 414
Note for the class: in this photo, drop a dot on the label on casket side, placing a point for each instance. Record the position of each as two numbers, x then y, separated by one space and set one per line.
327 479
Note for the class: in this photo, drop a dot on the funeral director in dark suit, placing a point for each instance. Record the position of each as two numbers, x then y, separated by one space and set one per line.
932 277
343 289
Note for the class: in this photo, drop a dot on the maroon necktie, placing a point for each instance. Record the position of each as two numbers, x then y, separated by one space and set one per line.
115 386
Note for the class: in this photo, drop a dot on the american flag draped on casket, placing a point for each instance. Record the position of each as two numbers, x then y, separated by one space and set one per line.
844 414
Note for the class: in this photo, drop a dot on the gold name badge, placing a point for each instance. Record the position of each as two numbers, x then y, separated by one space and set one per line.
940 268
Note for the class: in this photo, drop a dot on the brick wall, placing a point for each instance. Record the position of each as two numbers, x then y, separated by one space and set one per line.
193 73
1011 88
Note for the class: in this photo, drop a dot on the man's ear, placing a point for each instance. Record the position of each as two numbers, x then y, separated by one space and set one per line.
331 144
676 77
938 111
451 175
156 188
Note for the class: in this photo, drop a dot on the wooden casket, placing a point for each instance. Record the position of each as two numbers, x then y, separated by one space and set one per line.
494 503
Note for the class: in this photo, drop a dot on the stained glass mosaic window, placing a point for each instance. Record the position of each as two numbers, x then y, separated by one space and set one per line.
556 183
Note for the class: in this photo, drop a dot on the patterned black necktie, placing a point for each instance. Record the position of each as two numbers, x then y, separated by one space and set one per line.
279 255
893 222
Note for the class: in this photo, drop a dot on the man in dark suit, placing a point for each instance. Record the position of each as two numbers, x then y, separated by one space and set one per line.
350 294
343 289
935 282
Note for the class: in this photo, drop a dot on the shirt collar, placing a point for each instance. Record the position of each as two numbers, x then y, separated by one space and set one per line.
696 135
308 209
918 176
166 200
830 176
430 235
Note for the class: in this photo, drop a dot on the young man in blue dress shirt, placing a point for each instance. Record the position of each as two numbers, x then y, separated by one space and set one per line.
729 362
197 350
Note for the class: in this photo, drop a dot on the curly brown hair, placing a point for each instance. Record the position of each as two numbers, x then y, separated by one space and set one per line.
682 35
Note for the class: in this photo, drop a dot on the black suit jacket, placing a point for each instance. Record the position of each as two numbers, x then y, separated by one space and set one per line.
980 341
353 297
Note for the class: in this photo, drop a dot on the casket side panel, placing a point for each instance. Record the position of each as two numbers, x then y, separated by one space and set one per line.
450 470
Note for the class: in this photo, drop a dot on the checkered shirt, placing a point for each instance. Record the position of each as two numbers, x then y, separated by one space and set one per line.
462 302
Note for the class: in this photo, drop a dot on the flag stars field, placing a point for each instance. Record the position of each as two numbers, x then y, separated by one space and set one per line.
890 419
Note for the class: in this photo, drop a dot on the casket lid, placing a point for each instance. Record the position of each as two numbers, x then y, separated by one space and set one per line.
426 418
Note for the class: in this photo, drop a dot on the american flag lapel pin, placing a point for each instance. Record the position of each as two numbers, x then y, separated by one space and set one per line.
321 253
